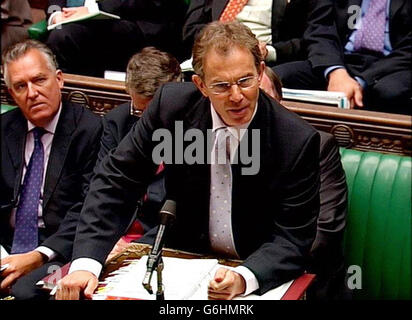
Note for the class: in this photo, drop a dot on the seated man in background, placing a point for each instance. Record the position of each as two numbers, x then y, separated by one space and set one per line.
278 24
93 46
327 250
48 152
361 48
15 20
145 73
270 205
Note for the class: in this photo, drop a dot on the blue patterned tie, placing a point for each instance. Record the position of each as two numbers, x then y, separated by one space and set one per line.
371 34
26 228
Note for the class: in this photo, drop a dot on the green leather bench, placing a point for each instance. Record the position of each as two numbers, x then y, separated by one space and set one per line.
378 232
38 30
6 107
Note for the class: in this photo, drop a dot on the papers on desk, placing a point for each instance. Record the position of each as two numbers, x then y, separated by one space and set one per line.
3 254
91 15
115 75
317 96
183 279
186 65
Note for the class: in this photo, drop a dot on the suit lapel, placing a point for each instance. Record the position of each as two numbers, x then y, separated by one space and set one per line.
15 142
395 6
278 11
59 149
199 116
217 8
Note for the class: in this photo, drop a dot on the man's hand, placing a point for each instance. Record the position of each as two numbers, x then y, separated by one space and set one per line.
19 265
340 80
226 285
75 284
69 13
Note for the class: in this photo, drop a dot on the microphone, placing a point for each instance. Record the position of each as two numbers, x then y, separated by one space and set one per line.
167 216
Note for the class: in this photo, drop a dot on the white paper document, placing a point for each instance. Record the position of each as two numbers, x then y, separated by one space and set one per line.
183 279
95 14
3 252
338 99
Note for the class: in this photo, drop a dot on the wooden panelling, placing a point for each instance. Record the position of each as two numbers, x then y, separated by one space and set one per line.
357 129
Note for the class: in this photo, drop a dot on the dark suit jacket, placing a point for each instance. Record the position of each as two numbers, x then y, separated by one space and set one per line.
274 212
327 260
160 21
116 124
327 247
288 25
328 32
72 158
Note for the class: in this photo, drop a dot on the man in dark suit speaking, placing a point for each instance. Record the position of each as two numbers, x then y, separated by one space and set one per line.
48 151
266 217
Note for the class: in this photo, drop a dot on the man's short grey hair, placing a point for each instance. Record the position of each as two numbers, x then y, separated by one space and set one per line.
19 49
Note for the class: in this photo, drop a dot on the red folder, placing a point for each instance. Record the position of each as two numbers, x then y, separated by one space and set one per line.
299 287
50 281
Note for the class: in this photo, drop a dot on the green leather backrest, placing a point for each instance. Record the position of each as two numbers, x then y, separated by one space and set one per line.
38 30
378 231
6 107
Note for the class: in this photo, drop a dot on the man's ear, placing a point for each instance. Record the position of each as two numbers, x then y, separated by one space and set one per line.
59 78
261 70
200 85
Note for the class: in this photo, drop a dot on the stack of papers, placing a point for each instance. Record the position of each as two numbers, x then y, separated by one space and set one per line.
317 96
186 65
183 279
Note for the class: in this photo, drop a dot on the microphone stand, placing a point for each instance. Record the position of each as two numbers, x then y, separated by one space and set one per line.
160 294
158 265
155 260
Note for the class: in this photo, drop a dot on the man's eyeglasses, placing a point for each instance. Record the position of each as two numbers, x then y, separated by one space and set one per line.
135 112
242 83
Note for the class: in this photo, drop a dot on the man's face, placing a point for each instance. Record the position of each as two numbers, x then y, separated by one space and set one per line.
236 105
35 88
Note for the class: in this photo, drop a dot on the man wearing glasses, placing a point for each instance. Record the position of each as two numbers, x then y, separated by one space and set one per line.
267 219
146 71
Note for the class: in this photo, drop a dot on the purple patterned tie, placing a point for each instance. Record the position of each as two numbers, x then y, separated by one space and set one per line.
26 228
371 34
220 215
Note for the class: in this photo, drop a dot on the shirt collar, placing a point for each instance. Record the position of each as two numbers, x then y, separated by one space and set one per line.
51 126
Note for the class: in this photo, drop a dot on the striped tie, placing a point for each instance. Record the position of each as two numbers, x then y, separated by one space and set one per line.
232 10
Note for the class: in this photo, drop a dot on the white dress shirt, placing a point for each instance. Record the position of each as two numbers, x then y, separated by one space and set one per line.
257 15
